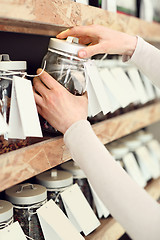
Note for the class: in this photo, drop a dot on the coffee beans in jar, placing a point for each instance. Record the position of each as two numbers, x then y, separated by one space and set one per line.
26 199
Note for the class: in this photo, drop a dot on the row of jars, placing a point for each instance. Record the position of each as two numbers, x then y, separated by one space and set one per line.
138 154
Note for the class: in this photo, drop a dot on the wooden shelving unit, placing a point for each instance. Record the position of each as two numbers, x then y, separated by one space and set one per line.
48 17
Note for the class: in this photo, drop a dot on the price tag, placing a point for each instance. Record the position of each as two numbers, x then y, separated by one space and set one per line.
146 162
13 231
3 126
55 224
78 210
98 87
138 85
133 169
24 120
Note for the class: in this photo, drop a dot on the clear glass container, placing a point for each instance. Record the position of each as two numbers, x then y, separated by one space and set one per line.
6 214
27 198
62 63
8 69
56 181
79 178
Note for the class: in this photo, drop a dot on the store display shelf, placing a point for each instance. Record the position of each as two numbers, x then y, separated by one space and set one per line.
112 230
47 17
19 165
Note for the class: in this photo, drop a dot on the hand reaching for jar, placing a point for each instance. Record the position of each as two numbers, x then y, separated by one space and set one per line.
101 40
57 105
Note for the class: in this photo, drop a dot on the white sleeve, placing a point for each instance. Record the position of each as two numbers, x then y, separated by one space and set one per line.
128 203
147 59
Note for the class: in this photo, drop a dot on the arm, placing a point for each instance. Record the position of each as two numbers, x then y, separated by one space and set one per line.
104 40
130 205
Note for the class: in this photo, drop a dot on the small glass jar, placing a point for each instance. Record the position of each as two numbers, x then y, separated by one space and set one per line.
63 64
27 198
56 181
8 69
79 178
6 214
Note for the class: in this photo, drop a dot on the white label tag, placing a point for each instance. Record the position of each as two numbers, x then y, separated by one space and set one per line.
146 161
54 223
78 209
133 169
102 211
154 148
13 231
149 87
3 126
98 87
109 5
82 1
137 83
24 120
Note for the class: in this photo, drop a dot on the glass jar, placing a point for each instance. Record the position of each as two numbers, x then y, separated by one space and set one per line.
56 181
27 198
8 69
62 63
6 214
79 178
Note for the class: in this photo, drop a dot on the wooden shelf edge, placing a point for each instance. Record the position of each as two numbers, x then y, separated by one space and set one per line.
22 164
42 16
112 230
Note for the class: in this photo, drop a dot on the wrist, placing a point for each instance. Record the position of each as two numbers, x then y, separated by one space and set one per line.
131 44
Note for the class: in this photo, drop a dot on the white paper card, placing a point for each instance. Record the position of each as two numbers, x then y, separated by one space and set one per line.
146 160
13 231
98 87
154 148
79 210
109 5
149 87
3 125
137 83
54 223
133 170
24 107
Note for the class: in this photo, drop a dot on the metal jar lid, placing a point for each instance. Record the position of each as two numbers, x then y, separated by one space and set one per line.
7 64
70 45
55 179
6 211
26 194
118 151
73 168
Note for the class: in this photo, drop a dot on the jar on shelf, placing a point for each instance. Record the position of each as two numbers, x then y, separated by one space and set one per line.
79 178
8 69
6 214
56 181
63 64
26 199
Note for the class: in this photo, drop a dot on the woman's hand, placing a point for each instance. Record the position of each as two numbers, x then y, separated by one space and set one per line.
101 40
58 106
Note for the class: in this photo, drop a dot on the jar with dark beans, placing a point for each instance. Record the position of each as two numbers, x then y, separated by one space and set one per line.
56 181
27 198
6 214
63 64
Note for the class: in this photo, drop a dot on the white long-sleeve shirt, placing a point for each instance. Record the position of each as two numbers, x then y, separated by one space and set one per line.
128 203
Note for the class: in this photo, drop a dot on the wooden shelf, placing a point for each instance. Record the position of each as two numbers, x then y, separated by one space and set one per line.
112 230
49 17
22 164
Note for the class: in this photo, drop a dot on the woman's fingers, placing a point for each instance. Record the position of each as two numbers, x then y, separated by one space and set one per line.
90 51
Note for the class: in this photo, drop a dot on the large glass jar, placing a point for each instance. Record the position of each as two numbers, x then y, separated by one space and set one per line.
79 178
56 181
27 198
6 214
62 63
8 69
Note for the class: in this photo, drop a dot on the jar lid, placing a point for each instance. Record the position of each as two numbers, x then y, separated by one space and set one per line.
55 179
26 193
70 45
6 210
132 143
7 64
73 168
118 151
144 137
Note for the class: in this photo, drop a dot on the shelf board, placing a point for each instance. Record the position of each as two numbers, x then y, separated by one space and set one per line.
19 165
49 17
112 230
